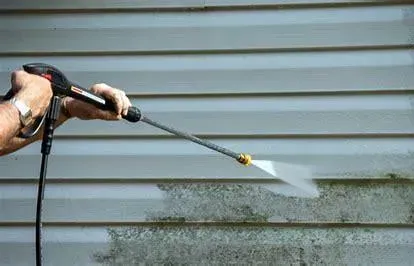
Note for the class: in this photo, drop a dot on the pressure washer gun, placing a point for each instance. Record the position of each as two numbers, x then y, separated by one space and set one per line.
64 87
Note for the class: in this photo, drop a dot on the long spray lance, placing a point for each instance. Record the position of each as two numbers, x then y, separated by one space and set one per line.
242 158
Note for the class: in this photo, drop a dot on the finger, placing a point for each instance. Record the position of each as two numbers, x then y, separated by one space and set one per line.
126 104
105 115
110 94
118 101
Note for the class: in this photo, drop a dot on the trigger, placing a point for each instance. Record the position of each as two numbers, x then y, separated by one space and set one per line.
30 132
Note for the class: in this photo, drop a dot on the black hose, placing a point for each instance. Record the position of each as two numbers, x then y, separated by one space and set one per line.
51 117
40 193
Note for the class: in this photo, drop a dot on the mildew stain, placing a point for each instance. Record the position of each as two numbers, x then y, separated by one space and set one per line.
368 202
228 203
160 245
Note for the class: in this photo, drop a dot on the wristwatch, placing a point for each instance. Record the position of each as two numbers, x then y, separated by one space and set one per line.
24 111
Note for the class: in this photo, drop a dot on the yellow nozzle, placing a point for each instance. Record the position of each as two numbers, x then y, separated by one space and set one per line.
245 159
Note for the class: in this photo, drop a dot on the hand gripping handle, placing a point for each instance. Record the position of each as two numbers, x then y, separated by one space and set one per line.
63 87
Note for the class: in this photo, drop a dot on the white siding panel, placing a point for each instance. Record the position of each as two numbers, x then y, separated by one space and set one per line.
133 202
361 114
157 20
177 159
61 246
235 73
291 2
99 4
81 202
129 4
78 245
207 31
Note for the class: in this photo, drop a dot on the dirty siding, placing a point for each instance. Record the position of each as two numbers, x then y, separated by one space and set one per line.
327 84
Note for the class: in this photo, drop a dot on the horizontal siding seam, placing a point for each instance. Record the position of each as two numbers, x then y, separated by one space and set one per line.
205 8
349 180
321 225
215 51
252 95
241 136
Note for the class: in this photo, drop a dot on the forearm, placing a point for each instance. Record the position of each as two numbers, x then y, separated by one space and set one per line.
13 143
9 125
18 143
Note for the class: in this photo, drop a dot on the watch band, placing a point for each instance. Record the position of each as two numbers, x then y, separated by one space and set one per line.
25 114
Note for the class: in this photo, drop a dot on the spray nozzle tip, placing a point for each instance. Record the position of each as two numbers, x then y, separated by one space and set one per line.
245 159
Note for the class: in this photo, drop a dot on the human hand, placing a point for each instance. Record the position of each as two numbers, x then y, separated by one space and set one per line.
86 111
32 90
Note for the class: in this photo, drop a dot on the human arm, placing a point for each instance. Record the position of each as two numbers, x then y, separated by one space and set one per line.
35 92
40 89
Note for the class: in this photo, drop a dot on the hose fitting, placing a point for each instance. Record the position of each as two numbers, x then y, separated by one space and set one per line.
245 159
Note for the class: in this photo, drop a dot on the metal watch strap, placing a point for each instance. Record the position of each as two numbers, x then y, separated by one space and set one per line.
25 113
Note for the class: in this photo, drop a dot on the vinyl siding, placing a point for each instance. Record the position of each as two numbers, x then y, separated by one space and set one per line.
327 84
93 5
207 31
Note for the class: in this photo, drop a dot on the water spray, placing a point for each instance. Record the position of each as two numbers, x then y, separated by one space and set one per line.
62 87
